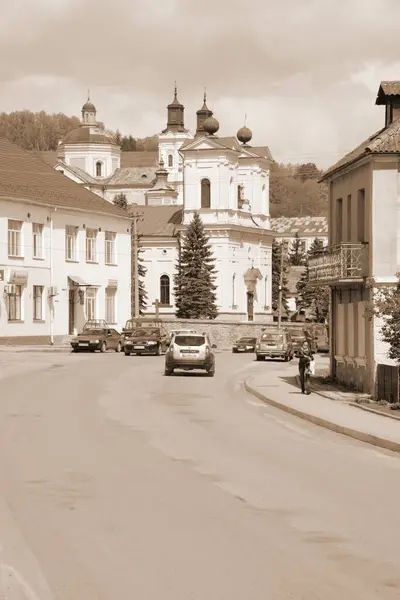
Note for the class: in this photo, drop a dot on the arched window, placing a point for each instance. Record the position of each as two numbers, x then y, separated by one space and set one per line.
205 193
99 169
170 160
164 290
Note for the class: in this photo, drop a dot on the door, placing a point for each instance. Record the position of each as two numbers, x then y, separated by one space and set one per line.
250 306
71 311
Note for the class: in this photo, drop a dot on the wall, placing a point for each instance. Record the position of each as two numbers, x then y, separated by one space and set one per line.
39 272
88 154
133 195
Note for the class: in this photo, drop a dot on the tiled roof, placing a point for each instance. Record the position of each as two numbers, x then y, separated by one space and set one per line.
384 141
80 173
23 176
132 175
232 143
159 221
302 225
388 88
87 134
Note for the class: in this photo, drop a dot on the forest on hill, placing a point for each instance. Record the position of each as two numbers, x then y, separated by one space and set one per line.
294 188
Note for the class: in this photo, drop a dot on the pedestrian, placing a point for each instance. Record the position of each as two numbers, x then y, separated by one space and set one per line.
305 358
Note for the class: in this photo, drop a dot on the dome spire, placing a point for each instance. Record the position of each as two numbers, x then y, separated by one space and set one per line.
202 115
89 112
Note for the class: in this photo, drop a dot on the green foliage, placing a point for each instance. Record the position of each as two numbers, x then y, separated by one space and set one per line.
297 254
121 201
386 305
276 273
312 298
294 194
194 287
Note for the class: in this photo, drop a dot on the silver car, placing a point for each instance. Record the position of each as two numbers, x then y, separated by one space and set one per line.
190 352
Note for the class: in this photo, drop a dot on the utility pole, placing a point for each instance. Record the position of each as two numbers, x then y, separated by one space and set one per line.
280 295
135 268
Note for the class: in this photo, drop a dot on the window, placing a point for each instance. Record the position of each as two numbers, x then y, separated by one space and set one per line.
90 304
348 219
38 303
361 229
14 304
240 196
339 220
110 305
71 236
164 290
110 249
170 160
14 238
205 193
99 169
37 233
91 239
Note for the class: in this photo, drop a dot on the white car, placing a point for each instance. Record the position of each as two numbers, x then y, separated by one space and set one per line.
189 352
175 332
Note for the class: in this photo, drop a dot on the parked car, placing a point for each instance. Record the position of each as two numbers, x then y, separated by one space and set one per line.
298 339
95 338
190 352
145 340
245 344
321 336
275 344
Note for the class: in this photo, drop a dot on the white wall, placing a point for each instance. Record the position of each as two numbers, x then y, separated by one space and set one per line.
169 144
133 195
85 156
39 272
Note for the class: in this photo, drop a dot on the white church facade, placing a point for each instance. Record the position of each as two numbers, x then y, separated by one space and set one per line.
223 179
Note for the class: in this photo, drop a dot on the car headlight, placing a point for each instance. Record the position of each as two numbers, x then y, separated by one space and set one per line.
95 342
75 340
151 343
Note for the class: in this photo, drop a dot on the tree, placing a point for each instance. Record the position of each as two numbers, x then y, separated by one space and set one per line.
276 274
308 171
386 306
312 297
194 285
297 255
121 200
296 196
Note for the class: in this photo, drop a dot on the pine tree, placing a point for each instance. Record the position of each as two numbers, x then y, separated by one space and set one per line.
311 297
276 272
194 287
297 255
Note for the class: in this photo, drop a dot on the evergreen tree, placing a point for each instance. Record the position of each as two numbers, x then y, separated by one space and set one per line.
297 255
386 305
276 273
121 201
312 297
194 286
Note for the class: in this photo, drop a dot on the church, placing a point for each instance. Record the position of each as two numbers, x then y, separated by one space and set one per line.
223 179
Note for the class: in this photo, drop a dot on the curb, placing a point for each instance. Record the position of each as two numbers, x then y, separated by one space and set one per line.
353 433
375 412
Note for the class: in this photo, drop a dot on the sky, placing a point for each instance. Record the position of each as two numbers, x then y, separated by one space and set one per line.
306 73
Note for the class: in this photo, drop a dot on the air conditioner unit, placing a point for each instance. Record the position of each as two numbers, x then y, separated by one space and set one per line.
52 291
10 289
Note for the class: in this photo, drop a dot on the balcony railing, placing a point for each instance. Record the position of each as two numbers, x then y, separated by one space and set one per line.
341 263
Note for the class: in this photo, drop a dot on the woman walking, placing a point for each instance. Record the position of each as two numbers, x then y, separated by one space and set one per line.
305 357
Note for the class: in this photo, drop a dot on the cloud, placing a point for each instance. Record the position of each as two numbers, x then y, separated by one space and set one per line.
306 73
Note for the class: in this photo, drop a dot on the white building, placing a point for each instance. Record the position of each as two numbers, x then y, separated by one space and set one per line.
64 253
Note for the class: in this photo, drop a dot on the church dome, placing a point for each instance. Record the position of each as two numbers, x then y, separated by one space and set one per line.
211 125
244 135
88 135
88 107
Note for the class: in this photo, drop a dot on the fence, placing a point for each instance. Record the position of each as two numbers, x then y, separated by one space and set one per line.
387 383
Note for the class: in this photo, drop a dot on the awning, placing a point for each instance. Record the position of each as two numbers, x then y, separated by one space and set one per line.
112 283
78 281
18 277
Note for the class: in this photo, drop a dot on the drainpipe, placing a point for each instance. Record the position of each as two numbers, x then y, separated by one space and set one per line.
51 278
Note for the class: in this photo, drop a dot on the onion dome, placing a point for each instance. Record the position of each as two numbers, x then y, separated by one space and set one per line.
88 107
244 135
211 125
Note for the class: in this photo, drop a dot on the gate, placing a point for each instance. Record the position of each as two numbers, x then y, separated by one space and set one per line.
71 311
387 379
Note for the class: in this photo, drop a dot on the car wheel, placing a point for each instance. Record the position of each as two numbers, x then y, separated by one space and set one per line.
118 348
234 351
260 357
211 372
286 358
127 353
168 372
74 350
159 350
103 347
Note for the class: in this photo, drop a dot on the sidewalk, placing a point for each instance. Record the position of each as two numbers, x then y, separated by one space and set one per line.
330 410
56 348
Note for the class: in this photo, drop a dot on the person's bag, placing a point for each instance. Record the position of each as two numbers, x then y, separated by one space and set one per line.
311 367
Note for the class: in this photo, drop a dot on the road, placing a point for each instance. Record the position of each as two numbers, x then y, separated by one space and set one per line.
118 482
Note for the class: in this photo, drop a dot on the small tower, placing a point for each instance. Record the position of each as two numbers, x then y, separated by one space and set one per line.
176 111
161 193
202 115
89 112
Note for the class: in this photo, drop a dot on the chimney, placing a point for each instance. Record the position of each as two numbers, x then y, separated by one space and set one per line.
389 96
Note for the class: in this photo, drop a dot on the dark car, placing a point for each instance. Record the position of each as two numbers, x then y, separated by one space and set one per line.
245 344
97 338
275 344
145 340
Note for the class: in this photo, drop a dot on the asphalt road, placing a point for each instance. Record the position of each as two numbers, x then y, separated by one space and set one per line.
118 482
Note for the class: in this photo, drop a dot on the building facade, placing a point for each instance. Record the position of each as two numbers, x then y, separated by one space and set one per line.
364 246
306 228
65 256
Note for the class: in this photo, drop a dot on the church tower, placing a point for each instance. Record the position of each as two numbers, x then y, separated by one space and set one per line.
202 115
89 113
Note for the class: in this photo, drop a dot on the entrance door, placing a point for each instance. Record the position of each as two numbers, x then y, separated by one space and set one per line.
250 306
71 312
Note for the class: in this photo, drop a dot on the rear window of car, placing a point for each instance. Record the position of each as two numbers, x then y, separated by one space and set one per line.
190 340
247 340
272 337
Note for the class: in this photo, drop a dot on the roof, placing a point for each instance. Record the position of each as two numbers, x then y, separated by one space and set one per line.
128 159
231 143
302 225
293 277
157 220
24 177
88 134
387 88
79 173
132 175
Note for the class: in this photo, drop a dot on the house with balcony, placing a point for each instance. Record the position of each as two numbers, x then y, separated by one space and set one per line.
65 253
364 245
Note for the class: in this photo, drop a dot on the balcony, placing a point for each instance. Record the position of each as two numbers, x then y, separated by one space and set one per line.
335 265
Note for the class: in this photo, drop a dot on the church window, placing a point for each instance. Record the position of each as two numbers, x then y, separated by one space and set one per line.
205 193
99 169
170 160
240 196
164 290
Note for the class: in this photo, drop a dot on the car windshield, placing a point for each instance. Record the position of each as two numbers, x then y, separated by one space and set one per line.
93 332
190 340
272 337
145 332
